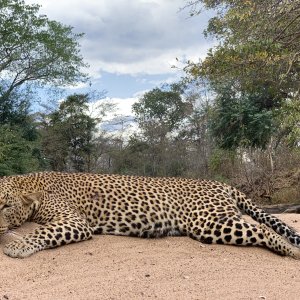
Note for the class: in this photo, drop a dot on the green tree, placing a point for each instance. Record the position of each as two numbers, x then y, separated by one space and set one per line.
35 49
159 108
258 53
289 132
241 120
18 155
19 141
159 114
258 43
67 135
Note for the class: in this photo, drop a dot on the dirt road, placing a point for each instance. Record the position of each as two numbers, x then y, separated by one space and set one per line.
110 267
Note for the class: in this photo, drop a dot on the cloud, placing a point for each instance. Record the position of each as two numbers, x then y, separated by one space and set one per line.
119 120
131 36
120 107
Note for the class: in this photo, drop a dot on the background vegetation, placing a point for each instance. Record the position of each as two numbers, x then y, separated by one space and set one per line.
234 117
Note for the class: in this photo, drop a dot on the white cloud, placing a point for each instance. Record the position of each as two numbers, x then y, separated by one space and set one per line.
121 107
131 36
124 106
120 120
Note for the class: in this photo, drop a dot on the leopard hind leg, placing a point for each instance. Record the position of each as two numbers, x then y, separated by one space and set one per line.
236 231
246 205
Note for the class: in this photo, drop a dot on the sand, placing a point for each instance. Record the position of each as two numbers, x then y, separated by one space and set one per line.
112 267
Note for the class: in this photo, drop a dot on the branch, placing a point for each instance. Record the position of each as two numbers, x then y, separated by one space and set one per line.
8 56
297 34
292 61
286 27
4 65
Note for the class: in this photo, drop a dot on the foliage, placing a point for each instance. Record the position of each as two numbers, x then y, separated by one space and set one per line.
241 120
35 49
140 157
258 44
68 135
258 55
19 139
159 114
290 125
18 155
15 111
160 108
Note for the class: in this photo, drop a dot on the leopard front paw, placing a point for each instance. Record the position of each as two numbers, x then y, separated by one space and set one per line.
19 249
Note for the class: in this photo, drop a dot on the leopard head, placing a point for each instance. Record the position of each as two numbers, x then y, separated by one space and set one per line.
16 208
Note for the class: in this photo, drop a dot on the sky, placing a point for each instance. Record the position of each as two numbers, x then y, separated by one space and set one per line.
131 45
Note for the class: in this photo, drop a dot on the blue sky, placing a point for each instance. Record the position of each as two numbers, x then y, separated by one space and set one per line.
131 45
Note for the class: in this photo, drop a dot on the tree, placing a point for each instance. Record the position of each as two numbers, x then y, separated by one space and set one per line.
196 133
19 141
258 44
290 124
67 135
241 120
258 55
35 49
159 113
16 108
158 108
18 155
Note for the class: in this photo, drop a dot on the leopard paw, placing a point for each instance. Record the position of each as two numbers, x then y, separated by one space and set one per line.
19 249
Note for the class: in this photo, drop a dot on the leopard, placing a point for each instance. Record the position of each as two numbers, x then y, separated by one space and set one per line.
73 207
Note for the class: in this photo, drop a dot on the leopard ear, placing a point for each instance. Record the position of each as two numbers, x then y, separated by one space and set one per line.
32 197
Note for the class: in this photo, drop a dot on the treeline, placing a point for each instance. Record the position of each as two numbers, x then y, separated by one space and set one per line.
176 135
235 116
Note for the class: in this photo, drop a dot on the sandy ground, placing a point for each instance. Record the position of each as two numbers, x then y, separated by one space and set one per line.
111 267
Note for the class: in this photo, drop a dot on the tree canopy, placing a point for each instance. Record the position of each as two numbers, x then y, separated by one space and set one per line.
258 54
163 108
258 43
35 49
67 135
241 120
